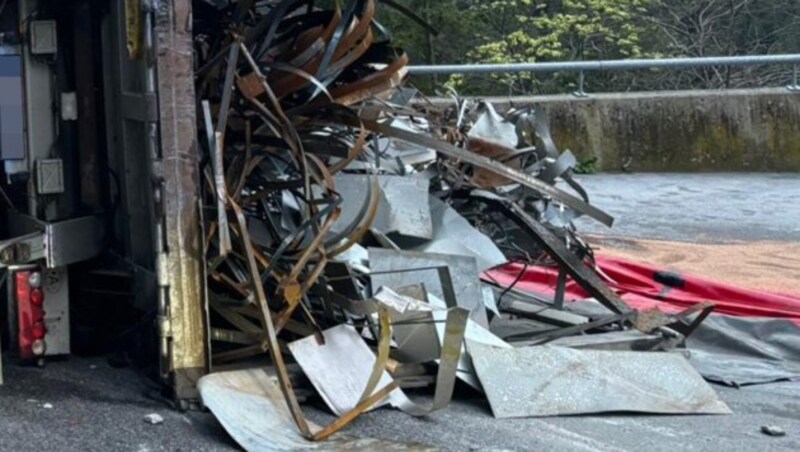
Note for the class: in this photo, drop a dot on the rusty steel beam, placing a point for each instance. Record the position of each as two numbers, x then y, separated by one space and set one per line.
181 263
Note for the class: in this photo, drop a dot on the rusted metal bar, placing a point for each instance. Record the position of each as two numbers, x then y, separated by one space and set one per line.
178 171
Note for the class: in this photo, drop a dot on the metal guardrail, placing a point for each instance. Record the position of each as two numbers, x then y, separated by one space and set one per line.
616 65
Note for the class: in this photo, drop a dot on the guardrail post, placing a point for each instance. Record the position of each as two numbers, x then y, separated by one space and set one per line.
581 81
794 87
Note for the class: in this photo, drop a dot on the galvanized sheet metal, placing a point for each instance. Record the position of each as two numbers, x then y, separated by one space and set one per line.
552 381
454 235
250 405
340 368
404 210
385 264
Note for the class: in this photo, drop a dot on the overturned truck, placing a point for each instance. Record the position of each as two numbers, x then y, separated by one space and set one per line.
100 216
273 195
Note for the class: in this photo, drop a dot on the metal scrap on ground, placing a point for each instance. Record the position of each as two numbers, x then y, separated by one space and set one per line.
548 381
346 230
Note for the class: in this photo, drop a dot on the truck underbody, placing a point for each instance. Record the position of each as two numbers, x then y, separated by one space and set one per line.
100 184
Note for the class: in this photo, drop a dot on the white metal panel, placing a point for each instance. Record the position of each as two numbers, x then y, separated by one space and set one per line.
55 283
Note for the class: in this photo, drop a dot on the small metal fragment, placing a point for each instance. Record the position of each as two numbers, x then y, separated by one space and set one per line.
153 419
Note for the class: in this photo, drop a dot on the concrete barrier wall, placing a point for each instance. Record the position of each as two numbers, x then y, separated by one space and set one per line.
735 130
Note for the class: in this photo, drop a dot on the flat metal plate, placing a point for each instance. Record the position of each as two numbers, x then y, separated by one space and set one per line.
355 189
407 201
463 272
553 381
454 235
56 307
340 369
403 211
74 240
474 333
60 243
250 406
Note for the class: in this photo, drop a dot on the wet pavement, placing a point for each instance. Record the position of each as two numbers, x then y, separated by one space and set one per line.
99 408
708 208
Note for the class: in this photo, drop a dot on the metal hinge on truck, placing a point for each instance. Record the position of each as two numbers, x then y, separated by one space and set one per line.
164 321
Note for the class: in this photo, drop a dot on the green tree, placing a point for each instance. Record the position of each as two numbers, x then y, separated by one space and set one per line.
534 31
510 31
448 40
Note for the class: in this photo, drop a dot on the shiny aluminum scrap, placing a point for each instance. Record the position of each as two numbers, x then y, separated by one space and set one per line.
338 218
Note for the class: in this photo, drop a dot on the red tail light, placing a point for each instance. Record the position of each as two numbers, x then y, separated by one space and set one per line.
37 297
30 314
38 330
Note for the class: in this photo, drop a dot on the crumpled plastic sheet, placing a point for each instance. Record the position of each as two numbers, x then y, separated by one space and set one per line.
740 351
736 351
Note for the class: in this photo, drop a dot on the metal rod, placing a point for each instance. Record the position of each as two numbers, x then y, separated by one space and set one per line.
607 65
581 82
794 87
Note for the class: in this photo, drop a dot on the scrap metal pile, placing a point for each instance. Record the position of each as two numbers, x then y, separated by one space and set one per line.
347 230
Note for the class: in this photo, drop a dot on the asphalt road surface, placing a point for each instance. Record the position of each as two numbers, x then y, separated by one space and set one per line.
85 404
709 208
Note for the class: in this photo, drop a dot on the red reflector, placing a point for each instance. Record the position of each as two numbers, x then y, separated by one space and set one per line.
37 297
38 330
23 288
30 315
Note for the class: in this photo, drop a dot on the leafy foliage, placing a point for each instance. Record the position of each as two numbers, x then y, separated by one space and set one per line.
505 31
531 31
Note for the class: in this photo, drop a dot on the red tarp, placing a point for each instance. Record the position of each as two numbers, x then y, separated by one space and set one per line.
638 284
